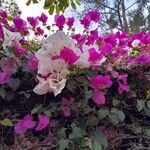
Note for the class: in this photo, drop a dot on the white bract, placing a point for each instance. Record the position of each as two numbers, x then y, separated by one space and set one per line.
9 37
135 43
55 68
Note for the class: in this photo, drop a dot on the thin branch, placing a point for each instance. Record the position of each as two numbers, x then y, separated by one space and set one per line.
130 6
119 15
39 145
102 4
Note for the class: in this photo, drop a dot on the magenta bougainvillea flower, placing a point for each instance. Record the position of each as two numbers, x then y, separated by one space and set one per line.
43 18
33 21
68 56
106 48
89 17
5 76
123 85
100 82
20 25
26 123
60 21
123 88
94 55
86 21
99 97
3 14
80 38
94 15
1 33
39 31
143 59
70 21
18 50
93 37
32 62
43 122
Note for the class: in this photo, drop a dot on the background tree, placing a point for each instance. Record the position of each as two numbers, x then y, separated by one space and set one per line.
10 6
125 15
56 5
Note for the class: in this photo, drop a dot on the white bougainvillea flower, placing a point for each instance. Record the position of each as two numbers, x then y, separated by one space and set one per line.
56 42
135 43
59 66
42 87
54 83
9 37
83 62
51 47
44 62
57 85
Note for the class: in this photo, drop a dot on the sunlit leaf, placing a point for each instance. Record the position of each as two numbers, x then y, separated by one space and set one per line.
6 122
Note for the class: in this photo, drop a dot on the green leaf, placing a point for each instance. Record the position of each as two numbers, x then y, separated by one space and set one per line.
73 5
61 133
100 138
6 122
78 2
57 9
28 2
72 85
86 142
140 105
113 119
2 92
77 133
36 109
96 146
48 113
147 111
115 102
102 113
14 84
136 129
63 144
147 131
92 121
120 115
148 104
51 9
47 4
35 1
61 6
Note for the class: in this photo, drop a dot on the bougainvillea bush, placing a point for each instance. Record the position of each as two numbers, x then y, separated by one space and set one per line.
69 90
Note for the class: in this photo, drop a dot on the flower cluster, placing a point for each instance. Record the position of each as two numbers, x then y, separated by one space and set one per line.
99 62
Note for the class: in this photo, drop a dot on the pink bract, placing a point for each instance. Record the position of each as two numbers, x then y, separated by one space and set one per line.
26 123
60 21
100 82
5 76
43 122
99 97
68 56
32 62
94 55
70 21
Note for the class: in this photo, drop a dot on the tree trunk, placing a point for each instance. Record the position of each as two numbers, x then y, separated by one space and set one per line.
125 22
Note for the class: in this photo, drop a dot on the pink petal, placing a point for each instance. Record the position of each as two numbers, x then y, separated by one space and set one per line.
43 122
123 88
28 122
19 129
99 97
69 56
